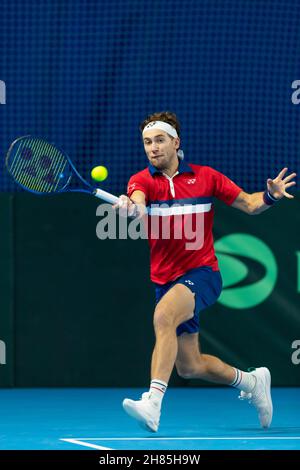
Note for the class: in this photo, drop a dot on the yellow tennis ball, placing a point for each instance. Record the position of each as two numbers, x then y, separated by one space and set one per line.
99 173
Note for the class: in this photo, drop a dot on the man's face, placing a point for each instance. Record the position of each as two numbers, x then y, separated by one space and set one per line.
160 148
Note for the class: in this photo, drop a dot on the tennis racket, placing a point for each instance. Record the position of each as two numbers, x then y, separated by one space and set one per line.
42 168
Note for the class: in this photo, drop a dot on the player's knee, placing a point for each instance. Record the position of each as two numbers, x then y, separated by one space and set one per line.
186 372
163 319
191 371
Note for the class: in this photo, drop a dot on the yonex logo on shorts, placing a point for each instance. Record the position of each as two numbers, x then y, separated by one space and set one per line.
189 282
2 92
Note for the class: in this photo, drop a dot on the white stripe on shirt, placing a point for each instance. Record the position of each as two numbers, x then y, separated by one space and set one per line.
179 210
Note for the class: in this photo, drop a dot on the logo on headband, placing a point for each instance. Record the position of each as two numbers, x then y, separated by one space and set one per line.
151 124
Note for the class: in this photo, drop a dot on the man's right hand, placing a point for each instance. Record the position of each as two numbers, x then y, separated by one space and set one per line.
127 208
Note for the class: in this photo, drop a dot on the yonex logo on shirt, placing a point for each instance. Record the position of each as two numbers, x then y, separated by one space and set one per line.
189 282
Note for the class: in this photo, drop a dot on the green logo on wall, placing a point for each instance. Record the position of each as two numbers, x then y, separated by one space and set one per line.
234 271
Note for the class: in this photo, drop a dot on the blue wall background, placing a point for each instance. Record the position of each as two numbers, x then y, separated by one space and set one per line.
83 74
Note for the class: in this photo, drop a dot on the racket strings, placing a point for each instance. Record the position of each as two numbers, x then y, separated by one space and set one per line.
38 165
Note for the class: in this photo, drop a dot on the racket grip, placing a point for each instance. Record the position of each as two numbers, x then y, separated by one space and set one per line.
105 196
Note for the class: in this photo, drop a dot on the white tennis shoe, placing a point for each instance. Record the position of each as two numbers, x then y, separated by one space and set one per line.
144 411
260 396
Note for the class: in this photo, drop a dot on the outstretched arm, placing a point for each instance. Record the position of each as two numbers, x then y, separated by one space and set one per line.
256 203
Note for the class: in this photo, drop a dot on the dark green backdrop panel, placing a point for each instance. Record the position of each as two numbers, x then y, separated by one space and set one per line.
84 306
262 334
6 292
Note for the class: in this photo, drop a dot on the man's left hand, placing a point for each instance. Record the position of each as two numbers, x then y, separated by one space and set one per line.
278 186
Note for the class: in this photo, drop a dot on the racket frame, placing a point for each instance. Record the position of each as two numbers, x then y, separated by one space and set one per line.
97 192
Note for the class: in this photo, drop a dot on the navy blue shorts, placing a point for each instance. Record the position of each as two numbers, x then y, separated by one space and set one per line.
205 283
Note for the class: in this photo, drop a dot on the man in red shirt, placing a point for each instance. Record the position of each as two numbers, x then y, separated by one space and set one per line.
185 272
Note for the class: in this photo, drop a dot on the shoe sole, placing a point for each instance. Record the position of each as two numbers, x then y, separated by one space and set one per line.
145 423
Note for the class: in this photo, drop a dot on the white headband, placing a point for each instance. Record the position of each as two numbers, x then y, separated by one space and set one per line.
163 126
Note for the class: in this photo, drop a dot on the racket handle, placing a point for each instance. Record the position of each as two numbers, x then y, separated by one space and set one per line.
105 196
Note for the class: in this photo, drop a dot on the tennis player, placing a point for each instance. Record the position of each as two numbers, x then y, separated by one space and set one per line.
188 280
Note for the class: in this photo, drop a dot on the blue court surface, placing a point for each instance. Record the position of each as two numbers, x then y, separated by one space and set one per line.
197 418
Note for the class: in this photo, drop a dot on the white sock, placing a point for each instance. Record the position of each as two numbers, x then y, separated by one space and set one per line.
243 381
157 391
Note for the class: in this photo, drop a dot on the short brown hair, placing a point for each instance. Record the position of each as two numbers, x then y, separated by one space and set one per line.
165 116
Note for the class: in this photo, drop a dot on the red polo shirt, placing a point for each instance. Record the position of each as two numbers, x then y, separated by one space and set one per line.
180 216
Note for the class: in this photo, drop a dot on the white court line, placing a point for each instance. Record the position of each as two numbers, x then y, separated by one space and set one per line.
177 438
87 444
183 438
79 440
